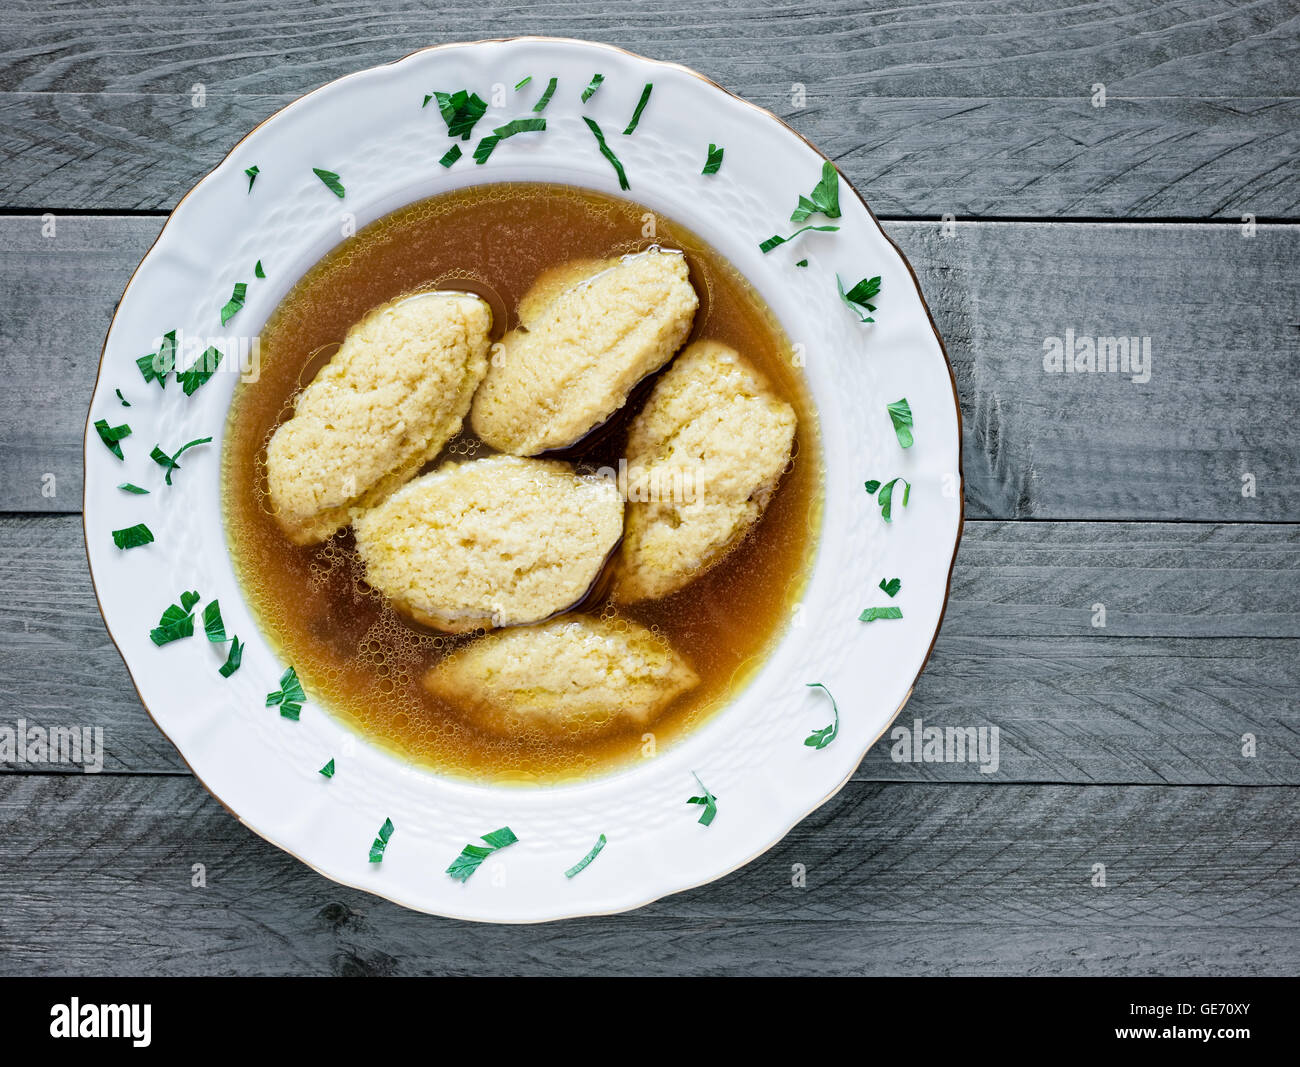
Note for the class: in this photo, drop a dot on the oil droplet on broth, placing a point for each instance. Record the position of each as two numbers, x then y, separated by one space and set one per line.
355 654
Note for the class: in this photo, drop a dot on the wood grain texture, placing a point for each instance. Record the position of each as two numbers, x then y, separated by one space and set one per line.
1222 312
932 108
901 879
1119 745
1201 646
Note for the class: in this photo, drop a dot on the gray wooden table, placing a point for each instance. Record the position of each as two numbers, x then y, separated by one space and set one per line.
1169 213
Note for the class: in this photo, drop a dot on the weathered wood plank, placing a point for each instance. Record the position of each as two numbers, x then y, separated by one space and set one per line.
1220 310
904 879
1200 647
932 108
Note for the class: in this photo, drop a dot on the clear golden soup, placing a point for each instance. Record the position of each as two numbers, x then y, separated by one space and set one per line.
355 654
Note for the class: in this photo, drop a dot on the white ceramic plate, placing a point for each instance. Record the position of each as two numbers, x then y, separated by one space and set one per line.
370 129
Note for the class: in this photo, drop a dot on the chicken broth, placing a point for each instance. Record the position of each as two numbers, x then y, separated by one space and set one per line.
361 659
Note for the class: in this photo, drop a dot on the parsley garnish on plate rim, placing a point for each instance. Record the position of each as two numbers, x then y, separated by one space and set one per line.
472 856
112 435
776 239
819 739
133 536
886 497
607 152
213 624
380 843
202 369
900 414
860 296
583 863
488 144
461 111
713 162
233 658
233 306
824 199
157 365
177 621
545 98
708 800
289 697
168 463
592 86
331 181
640 107
872 614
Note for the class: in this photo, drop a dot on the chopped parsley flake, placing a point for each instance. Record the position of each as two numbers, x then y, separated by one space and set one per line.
213 625
233 658
174 625
252 173
872 614
168 463
860 296
461 111
819 739
714 161
157 365
289 697
583 863
472 856
607 152
886 497
258 272
328 769
112 435
518 85
514 126
380 843
331 181
203 368
892 586
131 487
776 239
125 402
450 156
590 91
708 800
549 92
802 263
133 536
235 303
640 107
824 199
177 621
900 413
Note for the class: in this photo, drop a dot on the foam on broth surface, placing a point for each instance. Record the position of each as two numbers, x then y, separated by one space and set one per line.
359 658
